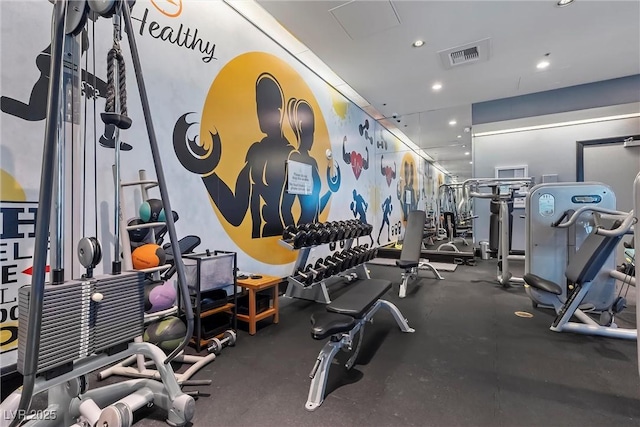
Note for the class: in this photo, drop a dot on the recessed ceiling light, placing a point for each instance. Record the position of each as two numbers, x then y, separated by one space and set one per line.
470 163
563 3
452 122
418 43
459 136
436 86
466 153
543 64
463 145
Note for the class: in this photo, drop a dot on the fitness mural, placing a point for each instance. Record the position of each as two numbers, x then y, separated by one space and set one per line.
259 113
18 217
407 189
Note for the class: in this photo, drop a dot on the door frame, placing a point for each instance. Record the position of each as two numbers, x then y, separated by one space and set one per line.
580 146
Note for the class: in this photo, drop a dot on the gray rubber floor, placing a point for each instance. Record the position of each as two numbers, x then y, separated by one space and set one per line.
471 362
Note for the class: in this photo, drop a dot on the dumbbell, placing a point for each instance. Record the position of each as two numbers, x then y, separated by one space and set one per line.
318 273
228 339
304 276
357 228
352 254
324 266
340 228
360 252
309 237
294 236
365 253
341 260
333 265
333 231
324 233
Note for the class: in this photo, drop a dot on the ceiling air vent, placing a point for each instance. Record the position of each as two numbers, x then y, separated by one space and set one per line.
466 54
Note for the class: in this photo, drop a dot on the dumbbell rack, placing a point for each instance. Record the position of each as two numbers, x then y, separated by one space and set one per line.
318 290
136 366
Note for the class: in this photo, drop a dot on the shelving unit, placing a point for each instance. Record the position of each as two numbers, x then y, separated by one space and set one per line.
137 366
208 272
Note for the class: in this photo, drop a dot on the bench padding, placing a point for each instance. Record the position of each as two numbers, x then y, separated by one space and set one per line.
407 264
542 284
325 324
360 298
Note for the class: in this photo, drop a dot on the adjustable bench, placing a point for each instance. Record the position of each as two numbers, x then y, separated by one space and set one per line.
411 250
345 317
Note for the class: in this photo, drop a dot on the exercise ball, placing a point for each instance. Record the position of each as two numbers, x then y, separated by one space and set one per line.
166 333
147 256
159 296
137 235
152 211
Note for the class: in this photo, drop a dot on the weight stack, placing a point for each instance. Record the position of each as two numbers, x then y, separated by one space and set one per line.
76 325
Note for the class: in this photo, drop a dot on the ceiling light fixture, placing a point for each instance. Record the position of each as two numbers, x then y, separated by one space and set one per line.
563 3
418 43
453 122
463 145
436 86
543 64
470 163
459 136
466 153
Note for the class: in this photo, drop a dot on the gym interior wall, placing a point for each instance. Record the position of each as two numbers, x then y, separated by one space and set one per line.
231 109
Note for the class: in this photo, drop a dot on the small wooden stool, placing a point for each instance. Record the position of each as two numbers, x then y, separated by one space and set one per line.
254 286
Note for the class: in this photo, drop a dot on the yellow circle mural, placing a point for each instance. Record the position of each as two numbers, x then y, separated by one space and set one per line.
408 186
259 115
10 189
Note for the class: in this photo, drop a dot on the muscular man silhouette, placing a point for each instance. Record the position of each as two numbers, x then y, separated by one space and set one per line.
302 122
35 110
407 195
260 185
387 208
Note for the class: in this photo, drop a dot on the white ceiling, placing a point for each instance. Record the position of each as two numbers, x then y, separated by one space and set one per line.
368 45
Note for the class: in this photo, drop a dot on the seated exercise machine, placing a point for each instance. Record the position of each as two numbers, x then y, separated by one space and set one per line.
449 216
345 317
551 246
70 328
411 250
502 195
597 248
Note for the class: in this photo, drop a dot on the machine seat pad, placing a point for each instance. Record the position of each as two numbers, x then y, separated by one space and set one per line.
360 298
407 264
542 284
325 324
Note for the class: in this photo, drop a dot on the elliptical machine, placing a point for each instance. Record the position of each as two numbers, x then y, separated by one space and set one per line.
69 328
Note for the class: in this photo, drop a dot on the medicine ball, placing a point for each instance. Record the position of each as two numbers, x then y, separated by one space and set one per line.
159 296
137 235
152 211
147 256
167 333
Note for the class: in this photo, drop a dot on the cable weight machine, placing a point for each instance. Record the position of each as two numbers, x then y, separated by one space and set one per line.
69 328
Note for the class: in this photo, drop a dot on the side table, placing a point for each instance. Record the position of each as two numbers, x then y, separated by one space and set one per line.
254 286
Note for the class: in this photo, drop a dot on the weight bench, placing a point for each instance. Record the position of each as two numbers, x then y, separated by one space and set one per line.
411 250
345 317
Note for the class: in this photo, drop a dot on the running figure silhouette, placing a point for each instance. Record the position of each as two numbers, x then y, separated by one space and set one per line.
387 208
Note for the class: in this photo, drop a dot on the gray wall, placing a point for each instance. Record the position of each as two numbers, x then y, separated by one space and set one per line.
623 90
550 150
